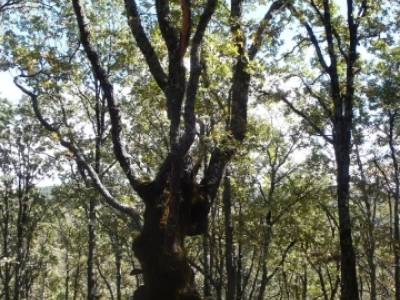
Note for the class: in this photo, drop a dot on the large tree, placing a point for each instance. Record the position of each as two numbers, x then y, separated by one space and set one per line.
176 201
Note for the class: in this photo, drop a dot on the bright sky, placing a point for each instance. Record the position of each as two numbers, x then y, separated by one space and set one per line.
8 90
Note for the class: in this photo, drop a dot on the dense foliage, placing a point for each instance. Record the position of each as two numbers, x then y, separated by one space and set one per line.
200 150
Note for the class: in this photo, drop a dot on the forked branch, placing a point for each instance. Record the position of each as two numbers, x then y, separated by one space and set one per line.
80 159
107 89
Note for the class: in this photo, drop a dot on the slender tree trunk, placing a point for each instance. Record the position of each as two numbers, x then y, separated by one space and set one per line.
263 283
106 282
396 196
372 277
67 275
369 240
91 273
118 276
221 267
396 254
99 128
239 291
267 237
116 246
305 283
21 225
342 147
212 242
206 265
229 250
77 275
7 271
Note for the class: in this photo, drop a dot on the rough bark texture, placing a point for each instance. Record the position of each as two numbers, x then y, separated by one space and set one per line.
348 259
166 270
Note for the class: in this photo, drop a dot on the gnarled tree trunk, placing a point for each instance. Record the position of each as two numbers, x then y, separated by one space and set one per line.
160 249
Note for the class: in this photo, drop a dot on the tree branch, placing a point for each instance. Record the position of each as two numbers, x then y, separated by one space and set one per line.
305 118
144 44
80 158
258 36
215 169
195 71
186 27
168 32
107 88
334 31
191 92
312 38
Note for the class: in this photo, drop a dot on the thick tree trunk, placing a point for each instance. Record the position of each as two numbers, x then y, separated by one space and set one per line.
166 271
342 147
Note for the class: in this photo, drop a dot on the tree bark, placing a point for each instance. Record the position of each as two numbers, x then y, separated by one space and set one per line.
239 259
91 273
370 243
229 249
6 250
342 148
118 275
166 270
22 221
396 197
206 266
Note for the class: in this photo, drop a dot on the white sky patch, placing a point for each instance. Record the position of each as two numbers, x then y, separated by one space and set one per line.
8 89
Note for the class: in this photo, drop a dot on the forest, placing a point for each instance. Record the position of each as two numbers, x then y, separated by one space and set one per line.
199 150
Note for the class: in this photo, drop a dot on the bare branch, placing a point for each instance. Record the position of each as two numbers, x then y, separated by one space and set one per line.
305 117
282 261
320 100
